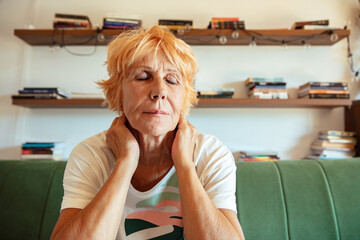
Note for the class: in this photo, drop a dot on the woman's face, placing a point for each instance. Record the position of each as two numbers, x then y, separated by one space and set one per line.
153 96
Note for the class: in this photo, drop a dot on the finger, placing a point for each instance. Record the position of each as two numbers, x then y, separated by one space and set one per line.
123 119
114 122
182 121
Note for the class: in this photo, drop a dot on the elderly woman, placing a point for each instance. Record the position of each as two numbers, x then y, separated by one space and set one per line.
150 175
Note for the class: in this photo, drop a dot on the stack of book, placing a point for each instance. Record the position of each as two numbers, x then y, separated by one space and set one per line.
218 93
64 21
42 150
310 25
266 88
324 90
333 145
48 93
176 24
121 23
257 156
226 23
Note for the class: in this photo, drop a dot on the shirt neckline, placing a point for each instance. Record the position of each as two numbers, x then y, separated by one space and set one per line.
150 191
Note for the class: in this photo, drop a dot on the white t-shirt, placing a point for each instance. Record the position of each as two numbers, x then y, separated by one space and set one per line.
155 213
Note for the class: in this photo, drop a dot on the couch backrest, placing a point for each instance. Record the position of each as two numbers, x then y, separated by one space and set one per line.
299 199
30 197
276 200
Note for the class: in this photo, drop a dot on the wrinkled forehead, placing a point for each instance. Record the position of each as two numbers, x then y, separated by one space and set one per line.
155 61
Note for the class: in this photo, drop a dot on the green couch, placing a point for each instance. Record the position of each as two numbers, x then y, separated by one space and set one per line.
303 199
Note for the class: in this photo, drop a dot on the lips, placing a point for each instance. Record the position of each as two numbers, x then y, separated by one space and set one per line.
157 112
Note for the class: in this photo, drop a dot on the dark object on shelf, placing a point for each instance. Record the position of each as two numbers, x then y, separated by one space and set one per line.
226 23
226 93
64 21
121 23
324 90
175 22
300 25
42 92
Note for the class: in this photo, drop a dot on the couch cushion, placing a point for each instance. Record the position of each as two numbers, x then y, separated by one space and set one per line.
302 199
25 212
344 183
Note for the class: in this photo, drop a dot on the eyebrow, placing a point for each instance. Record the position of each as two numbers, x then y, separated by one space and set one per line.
150 69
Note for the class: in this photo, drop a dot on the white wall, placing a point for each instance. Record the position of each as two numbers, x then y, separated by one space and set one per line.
288 131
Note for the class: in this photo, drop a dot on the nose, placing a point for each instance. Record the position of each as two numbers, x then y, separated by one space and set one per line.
158 90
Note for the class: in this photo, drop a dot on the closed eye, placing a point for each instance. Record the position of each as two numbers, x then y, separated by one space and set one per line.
172 79
143 76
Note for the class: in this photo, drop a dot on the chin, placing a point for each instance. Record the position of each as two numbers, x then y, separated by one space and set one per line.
155 129
156 132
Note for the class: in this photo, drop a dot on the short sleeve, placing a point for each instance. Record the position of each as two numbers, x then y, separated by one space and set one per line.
217 171
84 176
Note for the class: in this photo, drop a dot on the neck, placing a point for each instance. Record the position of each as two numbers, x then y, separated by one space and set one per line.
154 149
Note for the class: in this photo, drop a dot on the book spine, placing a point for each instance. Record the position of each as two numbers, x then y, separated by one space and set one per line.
299 25
175 22
326 91
342 96
62 15
225 19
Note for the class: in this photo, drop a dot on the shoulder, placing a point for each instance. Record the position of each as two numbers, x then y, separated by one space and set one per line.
211 152
92 153
94 145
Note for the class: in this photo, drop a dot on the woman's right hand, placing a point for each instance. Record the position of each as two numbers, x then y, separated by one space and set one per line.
122 142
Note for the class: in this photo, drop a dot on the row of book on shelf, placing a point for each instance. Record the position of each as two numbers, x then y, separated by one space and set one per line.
275 88
52 93
66 21
42 150
329 145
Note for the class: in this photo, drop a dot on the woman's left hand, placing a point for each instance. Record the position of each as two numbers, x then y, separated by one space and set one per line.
182 151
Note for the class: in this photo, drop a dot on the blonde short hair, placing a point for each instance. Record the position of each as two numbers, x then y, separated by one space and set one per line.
132 46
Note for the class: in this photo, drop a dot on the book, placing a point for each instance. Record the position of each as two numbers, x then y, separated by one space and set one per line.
330 96
323 85
302 93
282 87
301 24
337 133
45 90
256 156
318 27
71 16
36 96
226 23
250 80
44 144
328 144
330 153
62 20
172 22
338 139
121 20
220 93
269 95
324 90
121 23
42 150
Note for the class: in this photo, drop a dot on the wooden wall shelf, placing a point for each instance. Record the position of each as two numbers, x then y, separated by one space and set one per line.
203 103
89 37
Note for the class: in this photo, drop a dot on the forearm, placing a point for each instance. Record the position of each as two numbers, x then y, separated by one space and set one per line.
100 219
201 219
